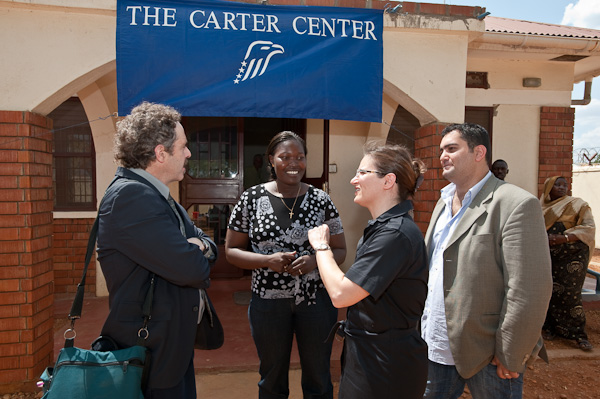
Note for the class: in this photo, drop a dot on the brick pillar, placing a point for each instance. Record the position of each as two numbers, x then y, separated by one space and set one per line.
26 287
68 249
427 148
556 144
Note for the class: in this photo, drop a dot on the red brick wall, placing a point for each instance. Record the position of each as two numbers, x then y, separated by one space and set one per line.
68 255
555 157
427 148
556 144
26 289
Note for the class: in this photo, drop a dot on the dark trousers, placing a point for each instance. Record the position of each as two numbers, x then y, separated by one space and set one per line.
185 389
273 323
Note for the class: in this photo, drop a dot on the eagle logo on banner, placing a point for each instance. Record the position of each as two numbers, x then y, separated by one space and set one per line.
257 59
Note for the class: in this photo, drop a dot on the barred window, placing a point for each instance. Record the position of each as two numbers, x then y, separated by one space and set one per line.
74 161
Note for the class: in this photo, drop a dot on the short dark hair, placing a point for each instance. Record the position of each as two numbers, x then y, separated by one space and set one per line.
474 135
397 159
279 138
147 126
500 160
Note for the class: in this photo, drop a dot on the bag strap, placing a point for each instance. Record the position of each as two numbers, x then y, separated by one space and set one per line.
77 306
143 332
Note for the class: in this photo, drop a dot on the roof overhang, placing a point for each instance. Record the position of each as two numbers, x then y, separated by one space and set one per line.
583 52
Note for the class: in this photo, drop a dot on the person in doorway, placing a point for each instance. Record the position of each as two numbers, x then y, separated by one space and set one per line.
288 297
255 174
489 276
385 289
143 234
500 168
571 236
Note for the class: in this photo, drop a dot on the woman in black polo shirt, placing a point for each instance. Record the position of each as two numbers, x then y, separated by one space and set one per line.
386 287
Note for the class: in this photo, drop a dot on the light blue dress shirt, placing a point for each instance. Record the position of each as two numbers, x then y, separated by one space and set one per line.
433 321
160 186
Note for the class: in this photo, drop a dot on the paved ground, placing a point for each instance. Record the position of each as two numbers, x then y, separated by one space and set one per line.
240 385
216 378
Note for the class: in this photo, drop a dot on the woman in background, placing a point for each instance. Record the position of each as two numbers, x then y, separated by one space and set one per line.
386 287
571 233
288 296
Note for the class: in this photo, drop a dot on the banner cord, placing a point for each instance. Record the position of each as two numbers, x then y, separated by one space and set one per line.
398 130
100 118
116 115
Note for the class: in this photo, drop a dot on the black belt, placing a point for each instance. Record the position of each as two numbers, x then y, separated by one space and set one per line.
339 329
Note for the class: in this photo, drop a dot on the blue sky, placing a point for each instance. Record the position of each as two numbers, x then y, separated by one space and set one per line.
581 13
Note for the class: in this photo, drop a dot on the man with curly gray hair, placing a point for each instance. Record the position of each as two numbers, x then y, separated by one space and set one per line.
143 235
139 133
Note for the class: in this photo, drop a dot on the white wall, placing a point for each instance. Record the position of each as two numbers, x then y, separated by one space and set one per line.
314 146
346 141
49 54
516 140
586 185
100 101
505 78
516 125
430 69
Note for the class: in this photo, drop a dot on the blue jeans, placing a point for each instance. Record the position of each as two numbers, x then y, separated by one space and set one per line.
273 323
444 382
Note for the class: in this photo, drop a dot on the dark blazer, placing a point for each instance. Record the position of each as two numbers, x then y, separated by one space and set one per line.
138 234
497 278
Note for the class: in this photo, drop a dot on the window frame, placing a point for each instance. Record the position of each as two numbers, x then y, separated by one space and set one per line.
77 125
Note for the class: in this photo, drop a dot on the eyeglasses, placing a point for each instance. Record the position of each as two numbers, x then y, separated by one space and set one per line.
362 172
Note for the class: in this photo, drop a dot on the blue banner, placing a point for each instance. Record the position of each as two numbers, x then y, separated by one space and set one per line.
221 58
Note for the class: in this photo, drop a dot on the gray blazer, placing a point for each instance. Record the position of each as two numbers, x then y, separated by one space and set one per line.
497 279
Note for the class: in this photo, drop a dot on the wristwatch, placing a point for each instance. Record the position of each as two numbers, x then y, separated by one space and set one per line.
322 247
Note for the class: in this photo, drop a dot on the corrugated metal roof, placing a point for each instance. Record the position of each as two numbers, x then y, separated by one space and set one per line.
497 24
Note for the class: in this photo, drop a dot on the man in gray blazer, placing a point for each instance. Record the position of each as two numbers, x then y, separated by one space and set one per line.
490 276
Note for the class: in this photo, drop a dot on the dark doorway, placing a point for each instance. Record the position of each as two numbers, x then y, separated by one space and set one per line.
402 130
223 151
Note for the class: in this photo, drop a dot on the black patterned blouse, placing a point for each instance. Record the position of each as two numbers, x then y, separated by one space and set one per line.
266 220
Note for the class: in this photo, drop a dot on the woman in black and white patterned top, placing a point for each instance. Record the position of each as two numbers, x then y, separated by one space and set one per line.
268 233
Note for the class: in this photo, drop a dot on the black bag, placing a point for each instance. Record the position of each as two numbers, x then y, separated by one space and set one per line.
106 372
209 334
